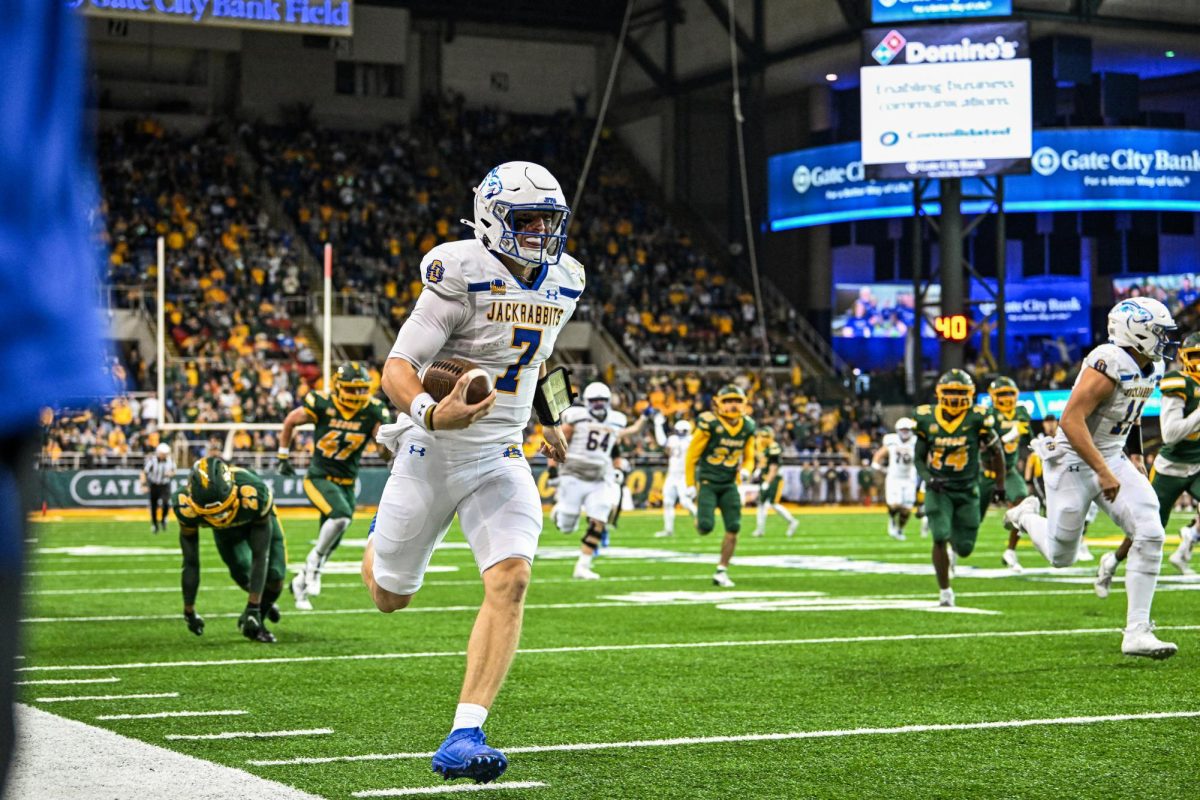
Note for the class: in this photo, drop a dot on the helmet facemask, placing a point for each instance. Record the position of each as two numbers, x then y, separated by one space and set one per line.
955 398
351 388
1189 355
1004 400
532 247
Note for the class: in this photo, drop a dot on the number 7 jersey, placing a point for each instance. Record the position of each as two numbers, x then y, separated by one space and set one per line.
1109 424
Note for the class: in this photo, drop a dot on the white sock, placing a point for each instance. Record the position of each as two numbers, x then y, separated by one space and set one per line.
783 512
1187 535
585 560
669 519
1037 528
1141 578
720 568
331 531
762 516
469 715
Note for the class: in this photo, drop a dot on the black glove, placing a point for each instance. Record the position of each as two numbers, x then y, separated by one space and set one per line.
999 495
285 466
250 622
195 622
936 484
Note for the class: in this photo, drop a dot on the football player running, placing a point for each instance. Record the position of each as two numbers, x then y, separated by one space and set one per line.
900 483
1013 425
345 420
500 300
1086 462
593 434
721 450
770 485
239 508
1177 467
953 436
675 489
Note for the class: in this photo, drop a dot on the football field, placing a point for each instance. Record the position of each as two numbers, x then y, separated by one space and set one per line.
827 672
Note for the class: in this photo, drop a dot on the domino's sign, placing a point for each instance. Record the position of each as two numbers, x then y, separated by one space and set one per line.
920 10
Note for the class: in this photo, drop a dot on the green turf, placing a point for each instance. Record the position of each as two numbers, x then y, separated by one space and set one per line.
404 705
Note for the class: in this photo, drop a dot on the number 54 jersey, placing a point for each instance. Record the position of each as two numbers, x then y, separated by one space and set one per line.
952 446
487 315
1109 424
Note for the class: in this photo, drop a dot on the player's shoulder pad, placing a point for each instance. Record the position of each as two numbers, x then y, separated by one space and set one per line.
380 409
890 440
751 425
1174 383
568 273
617 419
1110 360
706 421
446 268
574 415
183 509
923 410
774 449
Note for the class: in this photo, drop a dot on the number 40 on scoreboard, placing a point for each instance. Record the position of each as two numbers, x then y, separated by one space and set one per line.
952 327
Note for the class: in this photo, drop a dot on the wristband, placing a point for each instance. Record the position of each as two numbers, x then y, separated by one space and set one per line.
421 410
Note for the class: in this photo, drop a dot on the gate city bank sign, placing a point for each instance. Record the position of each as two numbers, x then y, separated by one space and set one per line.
1074 169
328 17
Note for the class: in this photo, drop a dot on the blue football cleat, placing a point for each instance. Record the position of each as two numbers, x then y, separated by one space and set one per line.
465 754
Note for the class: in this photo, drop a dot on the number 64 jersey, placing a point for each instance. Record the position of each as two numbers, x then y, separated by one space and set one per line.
1109 424
472 307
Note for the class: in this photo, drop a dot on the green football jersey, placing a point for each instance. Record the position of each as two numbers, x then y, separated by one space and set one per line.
339 440
252 501
952 447
1023 423
771 454
1179 384
723 453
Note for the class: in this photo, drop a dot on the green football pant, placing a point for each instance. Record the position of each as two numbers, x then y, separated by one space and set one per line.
333 500
233 545
724 496
954 517
1015 490
774 490
1169 489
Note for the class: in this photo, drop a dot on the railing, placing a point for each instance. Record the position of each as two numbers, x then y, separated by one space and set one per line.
127 297
252 459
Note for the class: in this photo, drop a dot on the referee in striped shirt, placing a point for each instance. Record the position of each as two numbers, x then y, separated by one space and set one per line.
157 474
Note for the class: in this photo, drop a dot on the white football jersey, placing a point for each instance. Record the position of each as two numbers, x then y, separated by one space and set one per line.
676 450
589 453
504 326
1109 424
901 457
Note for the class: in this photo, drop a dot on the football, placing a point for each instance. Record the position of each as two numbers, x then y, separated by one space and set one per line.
440 376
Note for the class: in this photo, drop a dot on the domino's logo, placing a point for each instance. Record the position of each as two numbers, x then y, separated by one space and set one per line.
1046 161
891 46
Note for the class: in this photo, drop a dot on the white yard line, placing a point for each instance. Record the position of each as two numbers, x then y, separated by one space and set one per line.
752 737
461 787
195 737
57 758
603 648
90 697
65 681
168 714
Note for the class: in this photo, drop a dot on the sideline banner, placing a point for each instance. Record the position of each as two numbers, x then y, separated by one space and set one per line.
919 10
119 488
325 17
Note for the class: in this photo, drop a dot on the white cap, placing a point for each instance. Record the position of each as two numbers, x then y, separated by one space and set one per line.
163 449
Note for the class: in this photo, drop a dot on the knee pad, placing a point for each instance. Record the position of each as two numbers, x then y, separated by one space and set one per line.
1145 556
592 539
1063 554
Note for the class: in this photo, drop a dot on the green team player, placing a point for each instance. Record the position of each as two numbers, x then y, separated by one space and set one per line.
721 448
239 508
1177 466
952 437
345 420
770 458
1014 426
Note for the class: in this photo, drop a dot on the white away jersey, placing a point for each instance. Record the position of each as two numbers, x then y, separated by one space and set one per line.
901 458
1109 424
676 450
589 453
504 326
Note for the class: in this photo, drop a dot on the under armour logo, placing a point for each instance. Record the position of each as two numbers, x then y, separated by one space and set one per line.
552 294
414 450
1073 468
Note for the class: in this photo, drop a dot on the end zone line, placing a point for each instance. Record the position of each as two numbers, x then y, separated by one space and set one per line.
195 737
467 787
79 698
754 737
167 714
602 648
64 681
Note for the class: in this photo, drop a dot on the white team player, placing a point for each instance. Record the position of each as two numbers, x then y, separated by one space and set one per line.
900 484
1085 462
585 482
675 489
499 300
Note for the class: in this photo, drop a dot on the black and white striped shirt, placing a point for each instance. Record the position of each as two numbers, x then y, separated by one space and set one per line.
159 471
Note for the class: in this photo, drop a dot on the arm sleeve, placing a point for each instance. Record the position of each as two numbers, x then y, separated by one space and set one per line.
695 448
260 547
1175 426
190 580
920 459
428 327
660 435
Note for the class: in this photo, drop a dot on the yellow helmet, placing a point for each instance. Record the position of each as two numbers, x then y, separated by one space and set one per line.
955 392
351 387
1189 355
1004 392
730 401
212 492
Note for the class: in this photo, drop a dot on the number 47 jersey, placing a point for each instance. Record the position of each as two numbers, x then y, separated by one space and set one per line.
1109 424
